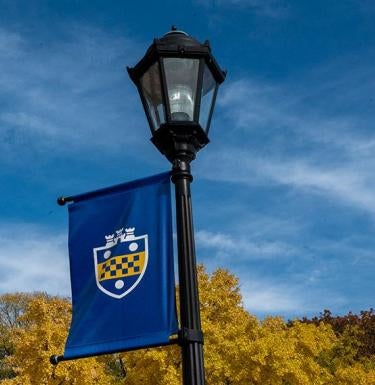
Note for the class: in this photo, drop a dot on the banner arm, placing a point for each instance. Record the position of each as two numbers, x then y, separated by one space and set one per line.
116 188
55 359
61 201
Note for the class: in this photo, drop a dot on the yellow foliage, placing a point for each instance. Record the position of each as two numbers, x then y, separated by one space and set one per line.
353 375
153 366
239 349
46 321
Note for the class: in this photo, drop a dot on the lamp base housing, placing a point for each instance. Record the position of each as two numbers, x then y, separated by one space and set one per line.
174 140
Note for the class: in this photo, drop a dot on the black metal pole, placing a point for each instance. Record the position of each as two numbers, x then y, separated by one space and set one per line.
192 338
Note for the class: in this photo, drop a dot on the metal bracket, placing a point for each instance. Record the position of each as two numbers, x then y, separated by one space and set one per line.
61 201
186 335
55 359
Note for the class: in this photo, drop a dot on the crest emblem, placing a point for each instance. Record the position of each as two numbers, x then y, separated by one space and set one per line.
121 263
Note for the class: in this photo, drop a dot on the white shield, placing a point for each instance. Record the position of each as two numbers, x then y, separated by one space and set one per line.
121 264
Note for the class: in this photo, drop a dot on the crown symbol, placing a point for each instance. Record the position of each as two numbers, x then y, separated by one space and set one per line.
130 231
113 239
119 232
110 239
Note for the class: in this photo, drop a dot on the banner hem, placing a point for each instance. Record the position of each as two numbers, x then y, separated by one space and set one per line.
158 339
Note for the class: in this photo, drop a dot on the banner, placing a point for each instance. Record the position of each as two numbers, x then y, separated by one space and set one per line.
121 266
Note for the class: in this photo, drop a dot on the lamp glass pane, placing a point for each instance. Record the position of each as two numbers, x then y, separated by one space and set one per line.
181 78
151 89
208 91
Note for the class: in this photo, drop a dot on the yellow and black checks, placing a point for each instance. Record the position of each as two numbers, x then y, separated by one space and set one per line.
121 266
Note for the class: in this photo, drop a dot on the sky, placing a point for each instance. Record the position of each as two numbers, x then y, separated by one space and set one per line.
284 194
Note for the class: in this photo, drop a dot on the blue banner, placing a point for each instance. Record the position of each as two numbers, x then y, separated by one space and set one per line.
121 266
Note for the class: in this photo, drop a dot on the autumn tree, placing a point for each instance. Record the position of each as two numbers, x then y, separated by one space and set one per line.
12 306
40 330
361 327
239 349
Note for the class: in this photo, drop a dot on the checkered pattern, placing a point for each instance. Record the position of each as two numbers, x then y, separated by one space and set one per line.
121 266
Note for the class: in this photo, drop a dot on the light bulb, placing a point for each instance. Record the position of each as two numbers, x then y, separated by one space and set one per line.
181 102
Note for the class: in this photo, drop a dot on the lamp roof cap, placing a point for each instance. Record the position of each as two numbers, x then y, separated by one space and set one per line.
176 31
176 37
177 43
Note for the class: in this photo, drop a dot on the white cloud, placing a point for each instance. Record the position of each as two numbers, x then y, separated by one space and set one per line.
267 8
224 245
297 134
351 184
10 44
67 95
33 259
261 296
267 291
30 122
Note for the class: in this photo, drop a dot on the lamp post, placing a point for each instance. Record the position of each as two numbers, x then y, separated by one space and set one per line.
177 80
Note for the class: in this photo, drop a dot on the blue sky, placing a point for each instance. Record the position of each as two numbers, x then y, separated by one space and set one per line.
284 193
